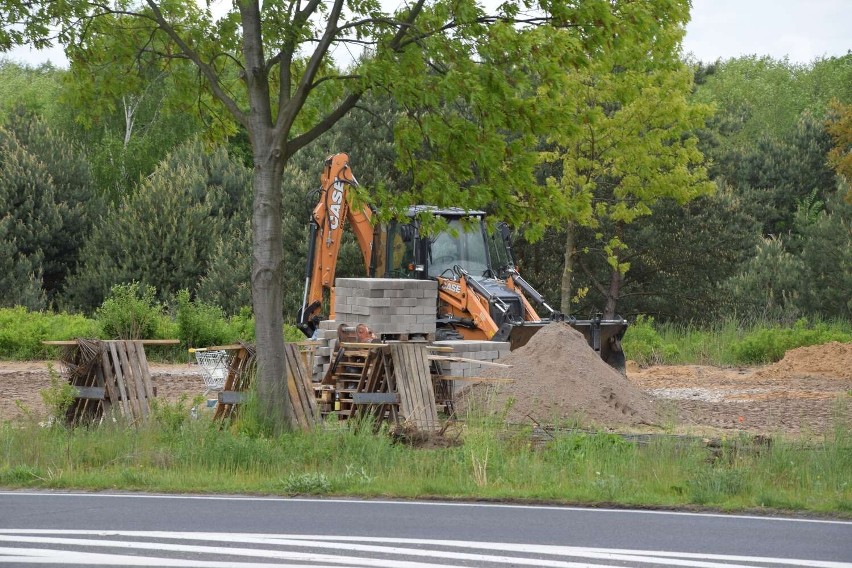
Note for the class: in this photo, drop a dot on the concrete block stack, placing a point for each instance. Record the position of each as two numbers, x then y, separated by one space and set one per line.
388 306
479 350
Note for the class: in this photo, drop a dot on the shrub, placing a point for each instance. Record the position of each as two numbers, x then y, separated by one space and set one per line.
200 324
130 312
22 331
769 344
643 343
58 397
242 325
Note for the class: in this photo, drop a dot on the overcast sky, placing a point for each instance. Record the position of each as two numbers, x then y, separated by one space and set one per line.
801 30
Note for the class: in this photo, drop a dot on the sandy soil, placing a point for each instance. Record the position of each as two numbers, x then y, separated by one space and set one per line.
805 393
21 383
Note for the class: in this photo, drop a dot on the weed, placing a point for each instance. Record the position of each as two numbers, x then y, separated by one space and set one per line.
58 397
716 485
306 484
19 475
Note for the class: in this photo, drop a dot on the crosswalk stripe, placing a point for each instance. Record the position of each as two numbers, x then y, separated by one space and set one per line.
384 546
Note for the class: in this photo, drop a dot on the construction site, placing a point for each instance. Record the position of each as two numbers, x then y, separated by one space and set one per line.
555 380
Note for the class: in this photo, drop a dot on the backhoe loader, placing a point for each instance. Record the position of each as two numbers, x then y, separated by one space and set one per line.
480 293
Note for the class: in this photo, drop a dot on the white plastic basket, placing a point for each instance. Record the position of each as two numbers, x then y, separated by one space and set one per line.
214 368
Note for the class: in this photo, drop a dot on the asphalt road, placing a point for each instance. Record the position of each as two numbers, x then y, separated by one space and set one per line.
60 529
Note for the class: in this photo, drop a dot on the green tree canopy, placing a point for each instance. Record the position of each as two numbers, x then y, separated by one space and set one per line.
625 142
163 234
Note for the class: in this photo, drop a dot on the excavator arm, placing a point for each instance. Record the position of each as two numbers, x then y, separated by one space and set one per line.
333 209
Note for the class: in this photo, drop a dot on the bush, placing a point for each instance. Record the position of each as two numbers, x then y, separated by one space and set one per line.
642 343
769 344
201 324
22 331
131 311
58 397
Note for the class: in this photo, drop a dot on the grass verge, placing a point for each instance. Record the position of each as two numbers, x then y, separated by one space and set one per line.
175 453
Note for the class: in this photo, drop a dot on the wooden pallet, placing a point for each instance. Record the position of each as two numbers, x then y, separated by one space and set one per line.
109 377
413 377
386 381
241 370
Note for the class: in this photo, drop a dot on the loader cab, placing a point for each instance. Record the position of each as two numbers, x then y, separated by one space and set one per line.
466 242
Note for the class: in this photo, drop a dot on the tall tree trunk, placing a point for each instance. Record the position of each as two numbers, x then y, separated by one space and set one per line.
267 277
567 287
612 294
615 278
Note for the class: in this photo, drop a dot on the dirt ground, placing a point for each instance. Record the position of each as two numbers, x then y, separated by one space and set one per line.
805 393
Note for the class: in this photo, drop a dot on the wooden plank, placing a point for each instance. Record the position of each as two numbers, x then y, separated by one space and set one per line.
146 372
466 360
229 347
375 398
400 383
424 378
423 383
352 345
390 380
411 396
106 405
295 405
415 384
304 385
91 393
145 341
135 391
138 377
473 379
417 402
300 404
129 406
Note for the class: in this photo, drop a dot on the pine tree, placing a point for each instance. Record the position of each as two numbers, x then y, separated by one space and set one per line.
29 219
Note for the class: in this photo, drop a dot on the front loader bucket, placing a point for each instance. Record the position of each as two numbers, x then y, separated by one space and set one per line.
604 336
517 334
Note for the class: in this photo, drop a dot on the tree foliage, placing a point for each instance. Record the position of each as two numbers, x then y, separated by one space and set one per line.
74 192
30 217
163 235
625 142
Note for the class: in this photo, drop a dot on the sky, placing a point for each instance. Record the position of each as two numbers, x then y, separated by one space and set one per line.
801 30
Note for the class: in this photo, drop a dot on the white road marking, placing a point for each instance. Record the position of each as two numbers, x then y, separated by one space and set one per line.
425 503
343 544
44 556
299 556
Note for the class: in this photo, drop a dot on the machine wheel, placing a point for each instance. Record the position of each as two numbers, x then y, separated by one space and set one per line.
447 334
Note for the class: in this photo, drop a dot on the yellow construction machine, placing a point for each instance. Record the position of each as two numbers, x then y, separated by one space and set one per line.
480 293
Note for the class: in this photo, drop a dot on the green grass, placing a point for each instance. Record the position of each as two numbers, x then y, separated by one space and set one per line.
725 343
174 453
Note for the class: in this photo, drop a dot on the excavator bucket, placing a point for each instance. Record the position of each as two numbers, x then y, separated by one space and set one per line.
518 334
604 336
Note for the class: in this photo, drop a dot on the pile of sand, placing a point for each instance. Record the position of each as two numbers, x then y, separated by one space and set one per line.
829 360
557 378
